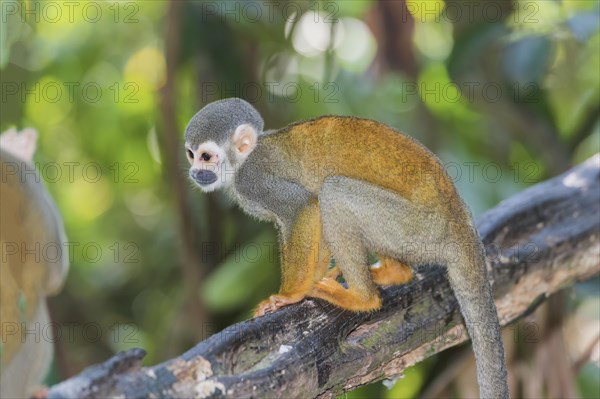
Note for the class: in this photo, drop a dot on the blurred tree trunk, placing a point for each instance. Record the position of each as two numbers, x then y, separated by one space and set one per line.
394 27
191 322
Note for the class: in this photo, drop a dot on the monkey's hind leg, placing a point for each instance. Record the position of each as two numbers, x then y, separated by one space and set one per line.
342 233
390 271
359 216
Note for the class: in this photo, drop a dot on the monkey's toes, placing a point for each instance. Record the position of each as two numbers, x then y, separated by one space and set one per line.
275 302
263 308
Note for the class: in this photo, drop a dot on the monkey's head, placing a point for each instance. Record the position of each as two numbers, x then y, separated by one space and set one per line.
218 140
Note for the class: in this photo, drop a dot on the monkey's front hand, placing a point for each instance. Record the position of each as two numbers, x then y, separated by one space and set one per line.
275 302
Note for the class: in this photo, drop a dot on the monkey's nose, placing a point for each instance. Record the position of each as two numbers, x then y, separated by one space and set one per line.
203 176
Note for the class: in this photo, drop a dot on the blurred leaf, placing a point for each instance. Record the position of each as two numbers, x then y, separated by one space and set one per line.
354 8
410 385
441 95
584 24
370 391
588 381
589 146
12 29
526 60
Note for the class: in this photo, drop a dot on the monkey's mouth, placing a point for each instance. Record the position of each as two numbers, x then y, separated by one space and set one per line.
203 177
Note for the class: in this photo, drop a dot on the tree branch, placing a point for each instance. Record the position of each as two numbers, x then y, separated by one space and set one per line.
538 242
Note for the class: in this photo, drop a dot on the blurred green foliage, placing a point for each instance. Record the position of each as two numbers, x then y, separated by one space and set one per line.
506 93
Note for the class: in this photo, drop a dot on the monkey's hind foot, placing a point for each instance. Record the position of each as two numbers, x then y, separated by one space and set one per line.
391 272
350 299
275 302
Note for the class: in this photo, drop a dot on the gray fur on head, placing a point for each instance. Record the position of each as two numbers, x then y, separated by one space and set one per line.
218 120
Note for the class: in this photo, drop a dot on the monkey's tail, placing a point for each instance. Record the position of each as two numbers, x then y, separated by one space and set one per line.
468 277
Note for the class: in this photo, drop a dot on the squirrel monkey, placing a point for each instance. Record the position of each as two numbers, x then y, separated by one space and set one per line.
343 187
32 267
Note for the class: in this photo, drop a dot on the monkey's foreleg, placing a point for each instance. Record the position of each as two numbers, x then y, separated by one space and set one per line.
302 261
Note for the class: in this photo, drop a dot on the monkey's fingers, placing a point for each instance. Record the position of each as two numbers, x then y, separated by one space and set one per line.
275 302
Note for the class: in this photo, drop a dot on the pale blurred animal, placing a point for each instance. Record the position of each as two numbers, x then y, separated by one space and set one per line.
33 265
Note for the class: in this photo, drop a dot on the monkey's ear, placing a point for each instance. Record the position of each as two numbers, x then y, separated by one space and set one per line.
244 139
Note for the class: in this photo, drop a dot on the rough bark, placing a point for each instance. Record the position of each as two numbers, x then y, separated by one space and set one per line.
538 242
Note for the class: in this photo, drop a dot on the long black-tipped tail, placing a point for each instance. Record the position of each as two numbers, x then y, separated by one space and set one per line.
468 277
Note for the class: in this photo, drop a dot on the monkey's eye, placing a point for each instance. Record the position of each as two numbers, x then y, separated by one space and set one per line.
190 154
205 156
